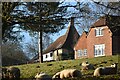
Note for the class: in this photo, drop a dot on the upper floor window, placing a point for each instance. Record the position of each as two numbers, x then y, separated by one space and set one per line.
99 32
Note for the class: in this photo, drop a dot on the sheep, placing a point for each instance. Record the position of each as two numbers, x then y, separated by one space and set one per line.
67 73
57 75
105 70
114 65
86 66
4 73
91 66
13 73
84 63
43 76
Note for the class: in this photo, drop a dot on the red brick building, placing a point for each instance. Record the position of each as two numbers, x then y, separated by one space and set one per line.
81 46
103 39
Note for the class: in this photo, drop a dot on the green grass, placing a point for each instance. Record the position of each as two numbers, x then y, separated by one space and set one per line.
30 70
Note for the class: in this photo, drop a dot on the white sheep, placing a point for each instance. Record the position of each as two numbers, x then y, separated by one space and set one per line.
86 66
84 63
67 73
105 70
43 76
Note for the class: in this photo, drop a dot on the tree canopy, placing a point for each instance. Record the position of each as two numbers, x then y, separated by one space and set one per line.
48 17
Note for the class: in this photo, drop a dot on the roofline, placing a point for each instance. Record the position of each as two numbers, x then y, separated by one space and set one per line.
80 38
53 43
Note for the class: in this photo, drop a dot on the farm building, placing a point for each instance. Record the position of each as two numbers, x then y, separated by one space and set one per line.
63 47
81 46
103 39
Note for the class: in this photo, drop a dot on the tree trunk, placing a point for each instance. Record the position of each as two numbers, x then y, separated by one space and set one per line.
40 47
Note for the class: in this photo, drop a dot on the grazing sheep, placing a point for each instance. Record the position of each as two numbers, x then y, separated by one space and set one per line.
106 70
67 73
4 73
43 76
84 63
57 75
13 73
114 65
86 66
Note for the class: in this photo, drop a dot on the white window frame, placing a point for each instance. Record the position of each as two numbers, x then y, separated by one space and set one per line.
79 53
85 52
99 50
98 32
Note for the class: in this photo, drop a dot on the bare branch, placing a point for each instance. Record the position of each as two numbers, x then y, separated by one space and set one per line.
107 6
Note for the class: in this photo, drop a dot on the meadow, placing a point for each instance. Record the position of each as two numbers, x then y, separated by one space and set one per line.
28 71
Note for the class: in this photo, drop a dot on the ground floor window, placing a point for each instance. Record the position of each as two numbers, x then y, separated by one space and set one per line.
51 54
79 53
82 52
85 52
99 50
46 56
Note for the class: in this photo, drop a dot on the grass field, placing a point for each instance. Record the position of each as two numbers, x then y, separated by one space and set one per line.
30 70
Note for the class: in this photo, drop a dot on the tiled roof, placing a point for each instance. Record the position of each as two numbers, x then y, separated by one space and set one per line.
56 45
100 22
63 41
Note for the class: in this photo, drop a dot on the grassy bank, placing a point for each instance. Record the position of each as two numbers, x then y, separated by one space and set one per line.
30 70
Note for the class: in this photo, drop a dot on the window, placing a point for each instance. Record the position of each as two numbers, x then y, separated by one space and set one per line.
79 53
50 54
99 32
46 56
57 52
85 52
99 50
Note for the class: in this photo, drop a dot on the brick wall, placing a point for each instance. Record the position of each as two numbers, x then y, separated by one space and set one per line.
81 45
105 39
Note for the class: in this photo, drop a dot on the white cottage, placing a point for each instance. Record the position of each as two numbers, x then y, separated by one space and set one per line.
62 48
